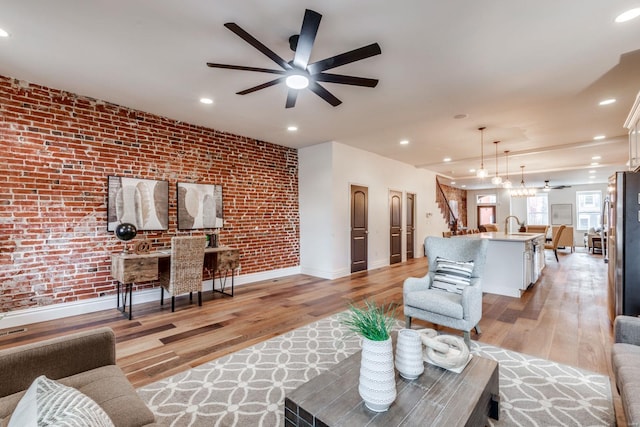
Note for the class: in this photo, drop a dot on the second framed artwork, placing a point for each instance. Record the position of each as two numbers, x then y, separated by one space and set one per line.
199 206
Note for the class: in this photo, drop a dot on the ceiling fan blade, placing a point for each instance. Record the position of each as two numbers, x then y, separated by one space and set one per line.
345 80
324 94
292 95
307 36
345 58
262 86
243 68
258 45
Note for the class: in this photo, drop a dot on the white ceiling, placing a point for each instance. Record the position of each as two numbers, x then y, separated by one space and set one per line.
531 72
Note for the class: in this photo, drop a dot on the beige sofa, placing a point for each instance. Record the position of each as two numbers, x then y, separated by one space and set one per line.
85 361
625 361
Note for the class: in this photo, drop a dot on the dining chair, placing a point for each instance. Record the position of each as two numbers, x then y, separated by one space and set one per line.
556 240
185 272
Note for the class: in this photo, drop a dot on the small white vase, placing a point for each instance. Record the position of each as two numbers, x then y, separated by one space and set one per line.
377 376
409 354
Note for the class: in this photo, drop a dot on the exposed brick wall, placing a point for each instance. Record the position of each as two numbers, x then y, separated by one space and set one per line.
57 150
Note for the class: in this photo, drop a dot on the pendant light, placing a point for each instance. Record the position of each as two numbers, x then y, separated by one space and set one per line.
507 183
523 191
496 180
482 172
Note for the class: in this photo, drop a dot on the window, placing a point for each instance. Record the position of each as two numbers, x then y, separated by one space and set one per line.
486 199
538 210
589 209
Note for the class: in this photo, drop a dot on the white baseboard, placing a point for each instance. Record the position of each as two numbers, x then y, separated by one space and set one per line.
26 316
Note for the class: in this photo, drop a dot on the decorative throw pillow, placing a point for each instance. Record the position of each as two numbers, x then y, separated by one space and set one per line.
49 403
452 276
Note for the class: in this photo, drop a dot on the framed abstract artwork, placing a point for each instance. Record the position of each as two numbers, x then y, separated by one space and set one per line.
141 202
199 206
561 214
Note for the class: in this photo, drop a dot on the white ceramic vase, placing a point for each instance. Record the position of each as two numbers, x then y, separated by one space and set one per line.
377 375
409 354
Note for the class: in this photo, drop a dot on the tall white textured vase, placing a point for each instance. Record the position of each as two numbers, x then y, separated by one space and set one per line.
377 375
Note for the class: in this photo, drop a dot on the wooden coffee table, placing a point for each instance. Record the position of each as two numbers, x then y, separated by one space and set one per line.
437 398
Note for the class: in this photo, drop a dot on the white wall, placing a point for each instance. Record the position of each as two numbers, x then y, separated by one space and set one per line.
329 169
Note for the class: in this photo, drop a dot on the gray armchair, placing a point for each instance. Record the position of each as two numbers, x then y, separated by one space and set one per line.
458 311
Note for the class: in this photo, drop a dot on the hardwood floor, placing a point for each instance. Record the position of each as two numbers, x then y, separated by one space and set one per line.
562 318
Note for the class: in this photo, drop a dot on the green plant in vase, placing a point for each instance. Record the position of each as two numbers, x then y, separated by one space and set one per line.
372 321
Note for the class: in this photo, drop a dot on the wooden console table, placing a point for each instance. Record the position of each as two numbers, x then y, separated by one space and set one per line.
129 268
436 398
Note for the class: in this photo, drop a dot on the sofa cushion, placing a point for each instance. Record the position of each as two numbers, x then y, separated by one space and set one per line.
622 355
47 402
109 388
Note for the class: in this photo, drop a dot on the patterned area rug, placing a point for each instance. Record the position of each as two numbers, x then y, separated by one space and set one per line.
247 388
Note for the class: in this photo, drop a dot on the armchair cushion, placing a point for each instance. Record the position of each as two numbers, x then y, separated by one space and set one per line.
452 276
447 304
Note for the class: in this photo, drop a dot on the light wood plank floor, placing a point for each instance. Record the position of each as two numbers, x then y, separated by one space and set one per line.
562 318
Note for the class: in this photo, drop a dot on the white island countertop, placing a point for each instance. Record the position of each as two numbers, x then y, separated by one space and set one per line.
509 237
514 261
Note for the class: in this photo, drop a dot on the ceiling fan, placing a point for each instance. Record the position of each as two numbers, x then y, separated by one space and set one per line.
298 74
547 187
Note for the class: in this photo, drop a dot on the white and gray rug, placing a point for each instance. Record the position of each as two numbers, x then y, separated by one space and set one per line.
247 388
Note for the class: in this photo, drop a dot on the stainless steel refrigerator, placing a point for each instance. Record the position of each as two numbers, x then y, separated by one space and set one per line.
623 244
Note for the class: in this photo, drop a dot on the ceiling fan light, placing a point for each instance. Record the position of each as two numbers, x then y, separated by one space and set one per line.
297 81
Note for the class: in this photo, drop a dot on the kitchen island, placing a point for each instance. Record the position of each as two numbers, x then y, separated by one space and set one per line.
514 261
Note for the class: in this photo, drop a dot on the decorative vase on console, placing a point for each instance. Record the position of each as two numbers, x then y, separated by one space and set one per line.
373 323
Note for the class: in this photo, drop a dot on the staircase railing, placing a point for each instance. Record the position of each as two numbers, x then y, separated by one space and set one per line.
449 216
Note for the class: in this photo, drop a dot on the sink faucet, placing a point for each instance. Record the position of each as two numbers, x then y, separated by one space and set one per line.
506 222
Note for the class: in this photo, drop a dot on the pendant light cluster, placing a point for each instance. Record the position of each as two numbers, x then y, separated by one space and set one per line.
523 191
507 183
496 180
482 172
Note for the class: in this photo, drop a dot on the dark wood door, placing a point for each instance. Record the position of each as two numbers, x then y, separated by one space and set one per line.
395 226
359 227
411 228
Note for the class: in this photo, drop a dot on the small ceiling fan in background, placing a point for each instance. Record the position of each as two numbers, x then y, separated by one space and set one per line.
547 187
298 74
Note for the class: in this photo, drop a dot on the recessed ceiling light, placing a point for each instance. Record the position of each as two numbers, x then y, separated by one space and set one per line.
594 163
607 101
599 137
472 170
453 183
592 171
404 142
206 100
596 157
446 159
628 15
292 128
3 33
463 186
